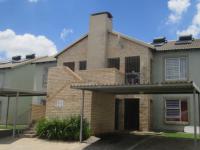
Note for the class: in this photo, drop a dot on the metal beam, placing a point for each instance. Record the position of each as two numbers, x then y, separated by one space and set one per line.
15 115
82 116
195 118
7 111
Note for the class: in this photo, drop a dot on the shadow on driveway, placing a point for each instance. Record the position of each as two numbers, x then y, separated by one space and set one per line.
8 140
124 141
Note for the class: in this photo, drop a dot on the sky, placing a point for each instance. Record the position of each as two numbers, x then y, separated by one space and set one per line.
46 27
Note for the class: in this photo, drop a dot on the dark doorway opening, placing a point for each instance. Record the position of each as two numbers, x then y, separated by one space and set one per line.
117 103
131 115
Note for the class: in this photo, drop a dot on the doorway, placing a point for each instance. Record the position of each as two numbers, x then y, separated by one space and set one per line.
117 103
0 110
131 114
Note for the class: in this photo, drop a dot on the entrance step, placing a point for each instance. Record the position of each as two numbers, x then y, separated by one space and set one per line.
28 135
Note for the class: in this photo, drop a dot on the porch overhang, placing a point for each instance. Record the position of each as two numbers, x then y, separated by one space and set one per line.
8 92
158 88
11 93
188 87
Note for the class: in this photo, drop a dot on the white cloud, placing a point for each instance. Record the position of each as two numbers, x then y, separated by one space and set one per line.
65 33
33 1
177 8
12 44
194 28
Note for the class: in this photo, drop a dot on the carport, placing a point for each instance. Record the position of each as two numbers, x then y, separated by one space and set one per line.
159 88
9 93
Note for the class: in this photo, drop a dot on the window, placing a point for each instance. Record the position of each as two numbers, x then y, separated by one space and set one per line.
60 103
45 78
175 68
132 64
114 63
176 110
2 79
71 65
132 70
82 65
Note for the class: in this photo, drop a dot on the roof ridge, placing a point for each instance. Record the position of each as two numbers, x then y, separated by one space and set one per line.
70 45
133 39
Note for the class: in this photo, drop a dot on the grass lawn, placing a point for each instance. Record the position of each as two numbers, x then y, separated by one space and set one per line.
11 127
179 135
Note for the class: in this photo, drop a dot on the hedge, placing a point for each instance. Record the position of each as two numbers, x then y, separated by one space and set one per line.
62 129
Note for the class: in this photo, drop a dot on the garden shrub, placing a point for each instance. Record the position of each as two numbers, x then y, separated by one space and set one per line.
62 129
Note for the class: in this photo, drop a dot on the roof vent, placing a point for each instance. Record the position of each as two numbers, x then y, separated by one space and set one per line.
185 39
32 56
159 41
16 58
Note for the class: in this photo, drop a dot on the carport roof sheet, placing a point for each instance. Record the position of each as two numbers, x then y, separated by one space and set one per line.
6 92
157 88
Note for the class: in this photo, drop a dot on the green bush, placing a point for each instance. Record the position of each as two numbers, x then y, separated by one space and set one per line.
62 129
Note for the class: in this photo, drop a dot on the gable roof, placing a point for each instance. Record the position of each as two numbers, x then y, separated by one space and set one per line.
171 45
133 39
113 32
69 46
45 59
10 64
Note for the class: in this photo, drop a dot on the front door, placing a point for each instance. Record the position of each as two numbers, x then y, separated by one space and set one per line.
131 115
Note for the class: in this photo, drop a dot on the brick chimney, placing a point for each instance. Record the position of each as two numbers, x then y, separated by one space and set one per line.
100 24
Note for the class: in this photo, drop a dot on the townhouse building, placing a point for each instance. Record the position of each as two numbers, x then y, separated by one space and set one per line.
106 57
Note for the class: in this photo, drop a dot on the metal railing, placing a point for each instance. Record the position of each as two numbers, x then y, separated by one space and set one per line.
132 78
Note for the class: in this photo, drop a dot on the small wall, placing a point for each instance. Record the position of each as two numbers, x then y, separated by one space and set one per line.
102 76
38 112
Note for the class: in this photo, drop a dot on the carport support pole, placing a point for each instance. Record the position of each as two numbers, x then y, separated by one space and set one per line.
199 112
82 116
15 115
7 111
195 119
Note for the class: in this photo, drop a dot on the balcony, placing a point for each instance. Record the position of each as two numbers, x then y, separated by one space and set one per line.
132 78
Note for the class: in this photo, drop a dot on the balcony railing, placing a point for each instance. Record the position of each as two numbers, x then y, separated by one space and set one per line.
132 78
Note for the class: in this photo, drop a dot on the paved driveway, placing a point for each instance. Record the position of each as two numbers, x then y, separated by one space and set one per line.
133 142
108 142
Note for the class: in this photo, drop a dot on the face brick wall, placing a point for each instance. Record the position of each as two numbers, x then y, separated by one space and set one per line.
58 88
97 107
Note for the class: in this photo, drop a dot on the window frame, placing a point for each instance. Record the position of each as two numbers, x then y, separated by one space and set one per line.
128 66
180 99
45 77
186 67
113 58
85 65
71 63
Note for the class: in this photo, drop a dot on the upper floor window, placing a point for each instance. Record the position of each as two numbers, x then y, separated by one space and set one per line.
82 65
2 79
114 63
132 70
45 77
176 110
71 65
176 68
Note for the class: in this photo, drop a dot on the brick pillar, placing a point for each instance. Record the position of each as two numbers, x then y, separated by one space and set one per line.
144 113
